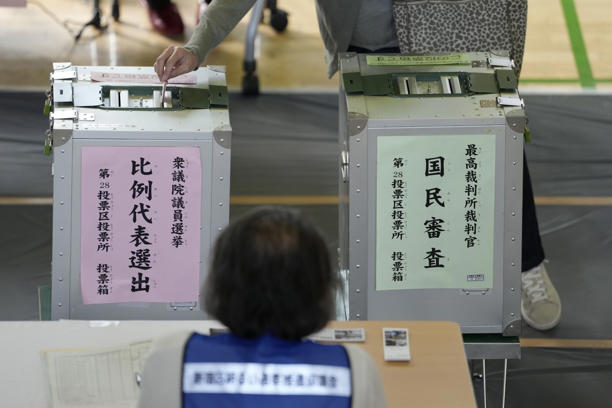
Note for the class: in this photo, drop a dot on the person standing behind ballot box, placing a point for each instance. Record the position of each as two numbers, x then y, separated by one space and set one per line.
371 26
271 283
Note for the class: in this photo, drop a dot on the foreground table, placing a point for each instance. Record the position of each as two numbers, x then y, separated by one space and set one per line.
437 376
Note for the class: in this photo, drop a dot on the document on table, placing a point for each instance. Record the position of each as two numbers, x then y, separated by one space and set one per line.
355 334
396 344
96 377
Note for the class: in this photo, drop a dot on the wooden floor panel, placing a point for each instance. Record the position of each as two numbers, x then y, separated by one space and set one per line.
33 37
548 54
596 23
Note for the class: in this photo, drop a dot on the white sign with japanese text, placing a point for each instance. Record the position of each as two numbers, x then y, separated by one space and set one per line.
435 211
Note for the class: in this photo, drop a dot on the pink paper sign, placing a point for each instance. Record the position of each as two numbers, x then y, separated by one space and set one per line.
140 224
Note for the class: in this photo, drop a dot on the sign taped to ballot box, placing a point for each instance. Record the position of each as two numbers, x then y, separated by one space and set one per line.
140 224
435 212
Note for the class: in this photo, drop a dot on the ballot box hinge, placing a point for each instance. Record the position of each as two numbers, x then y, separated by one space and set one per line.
72 114
517 121
357 123
344 165
475 291
176 306
223 136
501 62
61 130
63 122
512 327
512 100
63 71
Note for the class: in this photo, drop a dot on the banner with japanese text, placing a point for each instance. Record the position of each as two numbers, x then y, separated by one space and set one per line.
435 211
140 224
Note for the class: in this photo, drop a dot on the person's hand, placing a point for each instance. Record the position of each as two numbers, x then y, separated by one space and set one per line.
174 61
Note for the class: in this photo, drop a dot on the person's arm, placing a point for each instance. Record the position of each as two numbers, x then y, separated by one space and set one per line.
219 19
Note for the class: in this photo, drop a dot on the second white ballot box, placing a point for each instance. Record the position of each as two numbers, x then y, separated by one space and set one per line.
141 175
431 189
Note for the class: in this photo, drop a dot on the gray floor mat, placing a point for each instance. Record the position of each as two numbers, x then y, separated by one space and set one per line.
544 377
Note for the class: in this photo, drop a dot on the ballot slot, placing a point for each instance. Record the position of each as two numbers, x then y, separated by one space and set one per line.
427 84
124 99
114 98
157 99
455 85
402 84
139 98
407 85
445 82
167 100
412 85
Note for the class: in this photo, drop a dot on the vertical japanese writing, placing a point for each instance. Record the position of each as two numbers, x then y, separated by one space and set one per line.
398 266
104 199
104 227
398 193
471 196
398 218
142 193
103 278
434 166
178 201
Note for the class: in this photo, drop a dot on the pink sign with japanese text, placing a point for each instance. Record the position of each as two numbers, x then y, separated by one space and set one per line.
140 224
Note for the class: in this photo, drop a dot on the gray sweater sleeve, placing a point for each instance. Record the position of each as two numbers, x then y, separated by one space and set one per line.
368 391
161 379
219 19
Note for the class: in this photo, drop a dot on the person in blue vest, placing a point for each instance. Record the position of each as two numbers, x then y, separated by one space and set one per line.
271 283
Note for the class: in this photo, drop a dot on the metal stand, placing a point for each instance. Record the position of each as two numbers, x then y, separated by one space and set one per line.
484 382
505 377
278 21
96 20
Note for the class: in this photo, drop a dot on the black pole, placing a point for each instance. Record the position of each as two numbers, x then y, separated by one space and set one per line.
96 20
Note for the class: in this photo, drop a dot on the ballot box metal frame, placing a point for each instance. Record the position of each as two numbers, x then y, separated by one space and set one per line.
363 118
209 129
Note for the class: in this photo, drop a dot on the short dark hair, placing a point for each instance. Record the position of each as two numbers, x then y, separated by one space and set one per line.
271 273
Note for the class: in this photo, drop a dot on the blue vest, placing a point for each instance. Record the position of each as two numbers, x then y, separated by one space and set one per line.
229 371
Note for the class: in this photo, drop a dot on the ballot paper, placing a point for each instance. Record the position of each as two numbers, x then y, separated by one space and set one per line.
340 335
396 344
96 377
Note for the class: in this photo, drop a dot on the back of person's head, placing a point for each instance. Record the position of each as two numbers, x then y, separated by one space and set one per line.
271 274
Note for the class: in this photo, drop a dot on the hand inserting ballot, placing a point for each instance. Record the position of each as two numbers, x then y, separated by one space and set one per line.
174 61
163 94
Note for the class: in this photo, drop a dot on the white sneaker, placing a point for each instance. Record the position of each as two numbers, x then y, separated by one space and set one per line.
540 302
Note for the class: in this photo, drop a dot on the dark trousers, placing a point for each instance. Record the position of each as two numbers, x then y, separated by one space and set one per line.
532 250
158 4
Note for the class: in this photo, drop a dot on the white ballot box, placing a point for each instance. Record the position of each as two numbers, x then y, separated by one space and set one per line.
141 175
431 189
